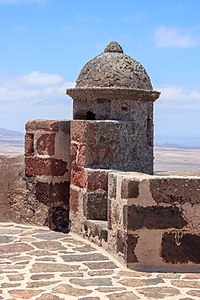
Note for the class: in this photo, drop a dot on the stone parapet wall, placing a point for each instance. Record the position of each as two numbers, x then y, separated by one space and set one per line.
47 170
153 221
12 187
119 145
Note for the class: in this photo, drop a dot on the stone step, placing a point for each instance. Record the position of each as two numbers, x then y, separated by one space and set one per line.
97 232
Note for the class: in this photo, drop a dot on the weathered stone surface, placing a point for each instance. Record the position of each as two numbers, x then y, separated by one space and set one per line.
9 285
112 185
90 298
186 283
53 267
97 180
42 276
37 166
84 257
175 190
45 144
195 293
36 284
158 292
102 149
191 276
92 282
180 248
124 296
100 273
5 239
49 245
140 282
110 289
85 248
129 189
15 248
29 144
74 200
100 265
71 291
95 206
153 217
72 274
25 294
48 125
49 297
126 244
15 277
58 218
12 186
113 69
133 274
51 194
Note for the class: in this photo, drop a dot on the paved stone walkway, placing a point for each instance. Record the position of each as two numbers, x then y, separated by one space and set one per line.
36 263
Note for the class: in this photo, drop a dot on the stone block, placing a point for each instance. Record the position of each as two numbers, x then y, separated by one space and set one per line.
48 125
152 217
78 131
45 145
175 190
74 200
110 145
130 188
78 154
52 194
29 144
112 185
58 219
97 179
95 206
36 166
180 247
79 176
126 244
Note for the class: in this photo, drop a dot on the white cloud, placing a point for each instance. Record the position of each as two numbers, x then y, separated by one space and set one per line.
172 36
34 87
15 2
178 97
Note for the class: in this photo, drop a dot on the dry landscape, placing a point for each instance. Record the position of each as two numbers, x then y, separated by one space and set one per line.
173 160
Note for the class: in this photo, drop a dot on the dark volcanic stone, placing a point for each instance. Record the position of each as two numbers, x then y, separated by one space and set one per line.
153 217
180 248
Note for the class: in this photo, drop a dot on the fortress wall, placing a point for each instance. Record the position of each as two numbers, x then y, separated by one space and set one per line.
12 186
47 172
153 221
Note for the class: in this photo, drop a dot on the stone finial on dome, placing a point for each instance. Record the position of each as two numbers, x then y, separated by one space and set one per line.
114 47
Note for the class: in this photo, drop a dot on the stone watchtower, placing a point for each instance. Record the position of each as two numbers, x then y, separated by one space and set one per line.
112 129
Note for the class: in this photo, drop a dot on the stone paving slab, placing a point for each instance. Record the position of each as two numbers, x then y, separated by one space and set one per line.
39 264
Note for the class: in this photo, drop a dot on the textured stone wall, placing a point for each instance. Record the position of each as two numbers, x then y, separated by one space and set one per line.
116 145
154 221
47 172
12 186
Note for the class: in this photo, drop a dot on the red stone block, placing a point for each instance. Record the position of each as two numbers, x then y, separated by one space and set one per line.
97 179
78 131
78 154
74 195
78 176
48 125
45 145
29 144
45 166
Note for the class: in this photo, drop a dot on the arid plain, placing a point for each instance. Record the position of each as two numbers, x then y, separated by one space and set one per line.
167 160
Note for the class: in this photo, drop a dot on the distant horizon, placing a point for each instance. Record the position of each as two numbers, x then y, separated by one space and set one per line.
168 141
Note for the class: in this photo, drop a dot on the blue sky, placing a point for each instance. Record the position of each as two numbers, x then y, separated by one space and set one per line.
45 43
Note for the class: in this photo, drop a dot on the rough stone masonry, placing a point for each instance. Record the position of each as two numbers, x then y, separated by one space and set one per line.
94 174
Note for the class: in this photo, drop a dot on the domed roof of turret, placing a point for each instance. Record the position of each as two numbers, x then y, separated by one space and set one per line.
114 69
